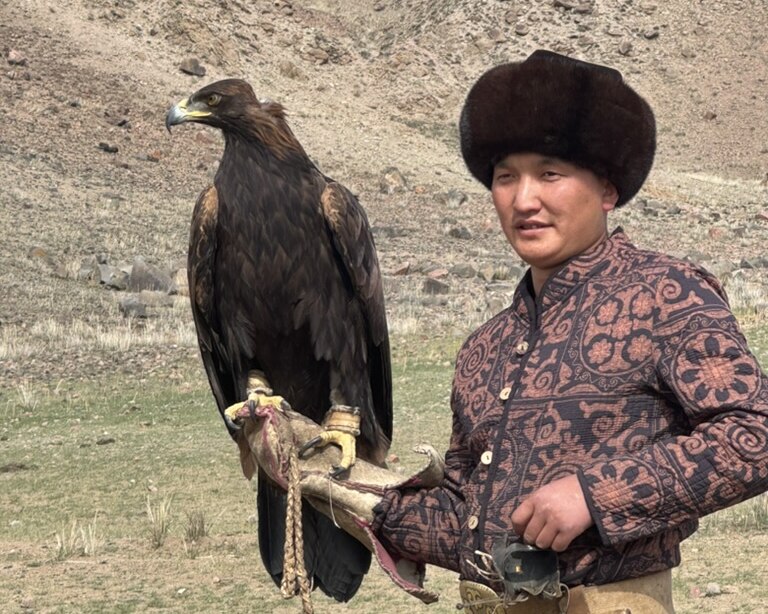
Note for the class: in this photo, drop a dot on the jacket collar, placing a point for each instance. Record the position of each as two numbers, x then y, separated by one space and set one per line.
574 273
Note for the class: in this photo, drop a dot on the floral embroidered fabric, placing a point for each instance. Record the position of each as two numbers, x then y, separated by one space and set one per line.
629 370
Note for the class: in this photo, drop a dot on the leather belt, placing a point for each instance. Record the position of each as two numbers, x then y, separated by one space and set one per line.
651 594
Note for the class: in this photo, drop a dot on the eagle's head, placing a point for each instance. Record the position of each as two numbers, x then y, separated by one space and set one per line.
221 104
232 106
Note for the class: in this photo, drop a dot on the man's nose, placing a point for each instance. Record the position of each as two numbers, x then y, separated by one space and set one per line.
527 195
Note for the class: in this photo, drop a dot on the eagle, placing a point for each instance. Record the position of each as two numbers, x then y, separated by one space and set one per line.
285 283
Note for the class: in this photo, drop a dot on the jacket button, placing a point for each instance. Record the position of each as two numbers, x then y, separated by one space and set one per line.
486 457
505 392
472 522
521 348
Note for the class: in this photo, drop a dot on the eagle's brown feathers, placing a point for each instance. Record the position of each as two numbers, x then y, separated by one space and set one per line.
284 278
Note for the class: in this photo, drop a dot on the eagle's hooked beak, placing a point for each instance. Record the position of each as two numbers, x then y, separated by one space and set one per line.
181 112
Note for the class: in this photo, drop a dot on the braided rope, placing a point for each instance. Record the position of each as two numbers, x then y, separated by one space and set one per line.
295 579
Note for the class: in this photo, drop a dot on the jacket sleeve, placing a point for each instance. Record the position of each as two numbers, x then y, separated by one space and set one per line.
425 525
703 364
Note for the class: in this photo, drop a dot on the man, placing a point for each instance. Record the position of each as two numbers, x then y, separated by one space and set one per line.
615 402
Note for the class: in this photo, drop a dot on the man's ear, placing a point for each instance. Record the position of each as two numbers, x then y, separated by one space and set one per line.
610 196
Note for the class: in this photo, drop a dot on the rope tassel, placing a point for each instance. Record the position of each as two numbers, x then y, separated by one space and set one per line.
295 581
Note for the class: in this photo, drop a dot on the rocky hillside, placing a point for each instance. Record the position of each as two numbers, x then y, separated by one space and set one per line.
373 89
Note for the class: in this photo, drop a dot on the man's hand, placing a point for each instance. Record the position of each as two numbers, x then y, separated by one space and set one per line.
554 515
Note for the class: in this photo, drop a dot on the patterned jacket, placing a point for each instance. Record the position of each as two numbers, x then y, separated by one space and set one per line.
628 370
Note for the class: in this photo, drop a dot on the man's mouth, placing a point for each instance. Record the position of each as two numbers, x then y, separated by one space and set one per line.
531 225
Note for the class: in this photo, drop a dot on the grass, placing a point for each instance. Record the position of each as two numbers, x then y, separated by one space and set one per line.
169 446
159 516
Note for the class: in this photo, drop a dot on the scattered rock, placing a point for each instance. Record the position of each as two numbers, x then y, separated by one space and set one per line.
712 590
150 157
16 58
499 271
104 440
688 53
521 29
459 232
112 277
392 181
438 273
576 7
290 70
388 232
155 298
651 33
402 269
108 148
89 269
463 270
452 198
192 66
435 286
148 277
752 263
320 56
710 115
625 47
131 307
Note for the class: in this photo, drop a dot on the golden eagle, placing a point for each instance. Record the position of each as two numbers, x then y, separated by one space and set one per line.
284 280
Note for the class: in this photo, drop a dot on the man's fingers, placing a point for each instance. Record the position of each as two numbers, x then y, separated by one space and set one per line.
533 529
561 542
521 516
545 537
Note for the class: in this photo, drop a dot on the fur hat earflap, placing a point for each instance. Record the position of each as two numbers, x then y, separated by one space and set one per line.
558 106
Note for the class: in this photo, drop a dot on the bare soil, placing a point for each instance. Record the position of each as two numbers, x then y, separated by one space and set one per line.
87 169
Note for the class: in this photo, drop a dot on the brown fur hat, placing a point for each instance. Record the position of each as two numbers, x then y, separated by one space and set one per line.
558 106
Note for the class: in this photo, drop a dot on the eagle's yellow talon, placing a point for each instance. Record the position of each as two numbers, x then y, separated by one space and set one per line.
260 393
233 412
342 426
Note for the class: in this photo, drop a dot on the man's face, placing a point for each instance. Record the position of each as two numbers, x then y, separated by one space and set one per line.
550 210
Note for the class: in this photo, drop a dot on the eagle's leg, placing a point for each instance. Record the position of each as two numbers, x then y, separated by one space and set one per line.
259 393
342 427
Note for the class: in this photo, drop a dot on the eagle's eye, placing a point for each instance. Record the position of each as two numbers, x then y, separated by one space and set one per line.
213 100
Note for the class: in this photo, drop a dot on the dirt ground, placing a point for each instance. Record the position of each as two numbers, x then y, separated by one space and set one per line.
368 86
88 170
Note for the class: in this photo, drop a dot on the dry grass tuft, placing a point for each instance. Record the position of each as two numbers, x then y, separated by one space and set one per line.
159 520
90 538
68 542
77 540
197 526
197 529
750 516
749 300
27 400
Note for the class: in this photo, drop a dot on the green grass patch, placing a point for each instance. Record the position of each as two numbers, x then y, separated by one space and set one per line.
82 464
